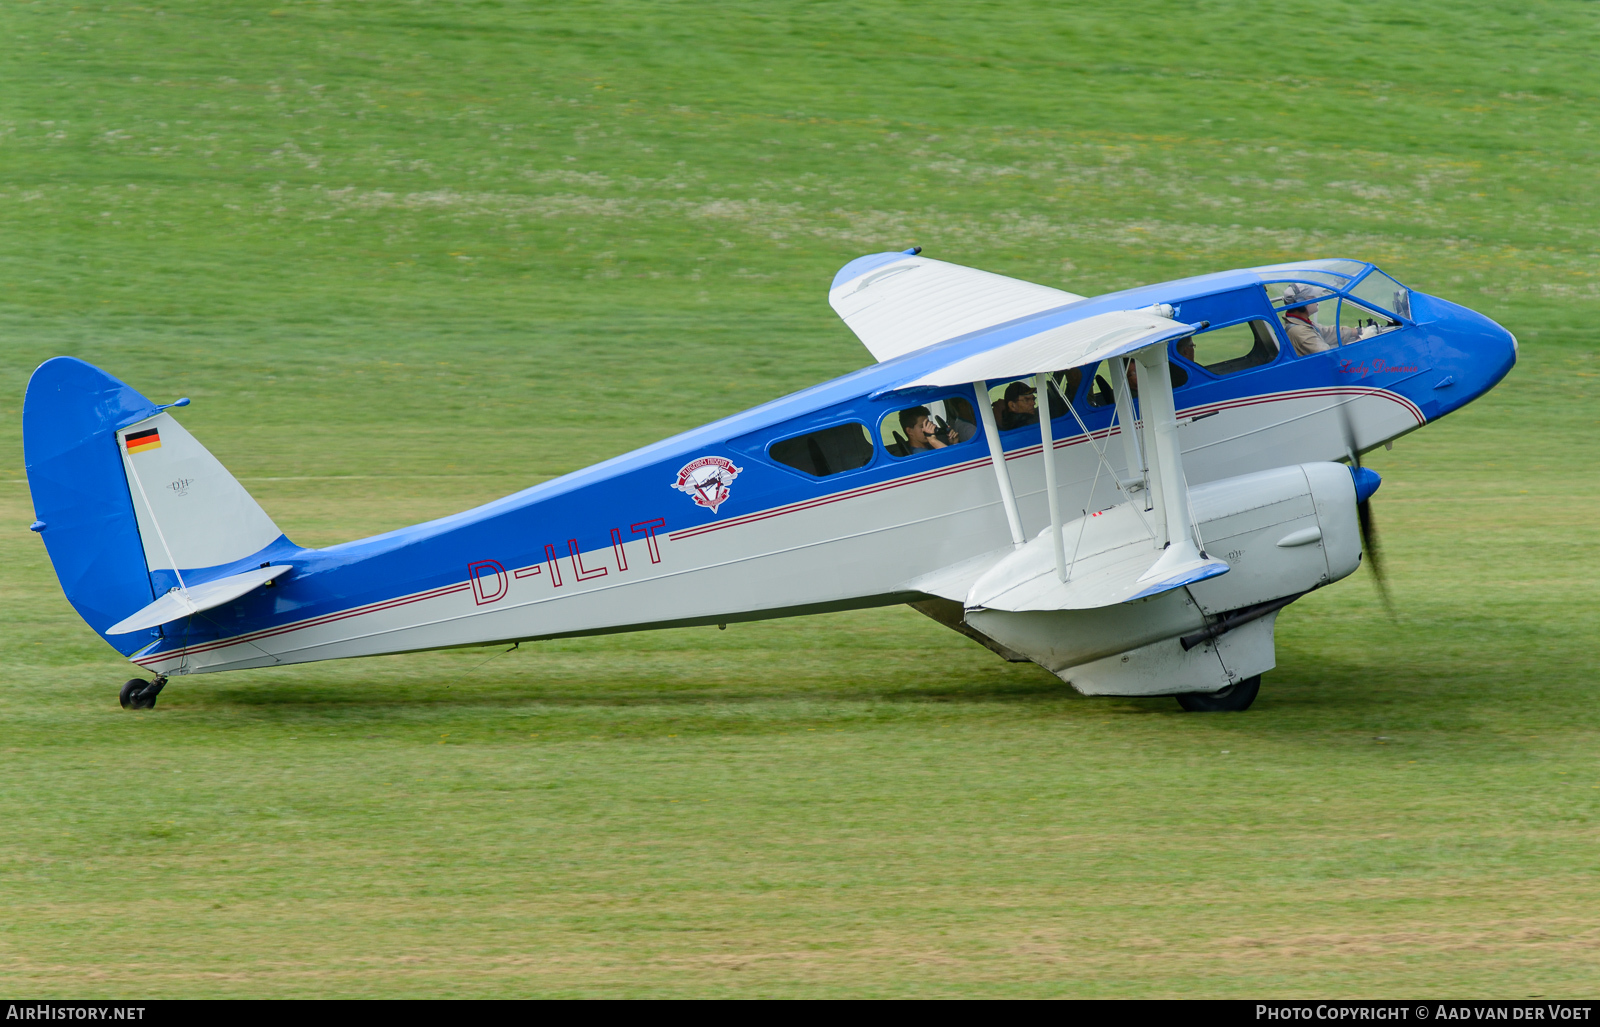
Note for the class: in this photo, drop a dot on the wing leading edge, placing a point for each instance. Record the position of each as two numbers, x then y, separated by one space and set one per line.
898 303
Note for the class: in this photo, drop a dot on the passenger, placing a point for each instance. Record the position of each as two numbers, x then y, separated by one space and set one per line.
921 433
1305 333
1018 408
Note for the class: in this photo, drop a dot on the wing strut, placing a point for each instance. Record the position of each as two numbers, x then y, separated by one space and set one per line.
1128 426
997 456
1182 557
1047 436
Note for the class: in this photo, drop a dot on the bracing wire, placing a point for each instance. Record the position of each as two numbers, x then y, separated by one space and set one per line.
1100 453
1083 522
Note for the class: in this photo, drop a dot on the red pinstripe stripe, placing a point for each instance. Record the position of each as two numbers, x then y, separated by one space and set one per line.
328 618
1016 454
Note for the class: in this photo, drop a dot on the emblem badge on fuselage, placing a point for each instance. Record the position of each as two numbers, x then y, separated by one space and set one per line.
707 480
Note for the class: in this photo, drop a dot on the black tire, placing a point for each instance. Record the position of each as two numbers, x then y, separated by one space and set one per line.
1236 698
129 696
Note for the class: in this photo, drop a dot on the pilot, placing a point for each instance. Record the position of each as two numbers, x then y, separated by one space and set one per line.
921 433
1018 407
1305 333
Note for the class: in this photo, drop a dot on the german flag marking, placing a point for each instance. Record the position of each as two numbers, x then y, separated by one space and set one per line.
142 441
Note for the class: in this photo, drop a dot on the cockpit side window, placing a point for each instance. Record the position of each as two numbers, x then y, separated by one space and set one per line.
936 425
833 450
1016 404
1364 322
1234 348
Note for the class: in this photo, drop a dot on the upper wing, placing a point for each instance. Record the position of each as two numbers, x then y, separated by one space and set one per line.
1075 344
898 302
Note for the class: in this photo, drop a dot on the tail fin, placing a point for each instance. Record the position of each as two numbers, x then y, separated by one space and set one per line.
128 499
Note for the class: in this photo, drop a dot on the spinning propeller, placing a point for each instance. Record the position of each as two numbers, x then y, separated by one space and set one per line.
1366 484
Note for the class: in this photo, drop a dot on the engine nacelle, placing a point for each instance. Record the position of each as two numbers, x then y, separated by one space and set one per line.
1282 532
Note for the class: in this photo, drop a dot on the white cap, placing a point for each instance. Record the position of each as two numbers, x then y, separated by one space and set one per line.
1296 293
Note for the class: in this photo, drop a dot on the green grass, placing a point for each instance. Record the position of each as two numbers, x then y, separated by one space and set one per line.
407 257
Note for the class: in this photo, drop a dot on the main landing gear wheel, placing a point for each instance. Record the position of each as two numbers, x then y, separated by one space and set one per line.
1236 698
139 694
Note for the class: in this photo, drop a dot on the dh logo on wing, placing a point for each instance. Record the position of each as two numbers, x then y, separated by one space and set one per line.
181 486
707 480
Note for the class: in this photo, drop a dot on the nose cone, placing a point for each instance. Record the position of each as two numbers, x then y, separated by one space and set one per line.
1366 481
1471 353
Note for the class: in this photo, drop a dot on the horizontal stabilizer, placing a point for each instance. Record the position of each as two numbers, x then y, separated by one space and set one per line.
1112 559
898 303
178 604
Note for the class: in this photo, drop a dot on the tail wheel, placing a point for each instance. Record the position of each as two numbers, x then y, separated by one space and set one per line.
1236 698
139 694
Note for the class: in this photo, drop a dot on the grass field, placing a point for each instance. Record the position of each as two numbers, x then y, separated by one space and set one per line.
407 257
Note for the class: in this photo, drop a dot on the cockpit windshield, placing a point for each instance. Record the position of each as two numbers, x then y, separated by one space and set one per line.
1362 300
1380 291
1293 284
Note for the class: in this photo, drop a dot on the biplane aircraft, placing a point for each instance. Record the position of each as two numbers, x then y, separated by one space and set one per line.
1124 489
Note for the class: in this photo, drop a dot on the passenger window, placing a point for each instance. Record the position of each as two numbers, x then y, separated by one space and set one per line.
1016 404
1234 348
843 447
936 425
1067 384
1101 394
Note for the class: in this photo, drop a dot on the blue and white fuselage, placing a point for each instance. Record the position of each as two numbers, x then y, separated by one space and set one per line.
735 520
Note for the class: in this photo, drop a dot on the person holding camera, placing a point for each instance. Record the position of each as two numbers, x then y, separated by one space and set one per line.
921 432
